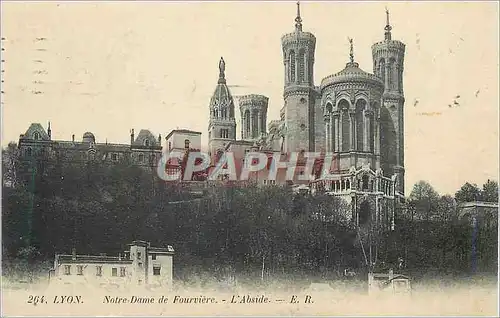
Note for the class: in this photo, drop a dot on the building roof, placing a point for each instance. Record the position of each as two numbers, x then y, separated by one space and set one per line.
183 131
145 134
35 127
352 73
61 259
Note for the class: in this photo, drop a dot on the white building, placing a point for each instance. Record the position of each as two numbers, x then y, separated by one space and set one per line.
141 265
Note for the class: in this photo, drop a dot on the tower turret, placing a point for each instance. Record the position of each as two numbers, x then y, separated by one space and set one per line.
253 110
298 59
388 64
222 123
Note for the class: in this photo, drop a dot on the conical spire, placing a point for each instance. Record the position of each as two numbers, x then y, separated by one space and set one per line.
298 19
388 27
222 69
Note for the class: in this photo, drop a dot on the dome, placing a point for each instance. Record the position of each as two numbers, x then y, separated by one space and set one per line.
352 74
88 137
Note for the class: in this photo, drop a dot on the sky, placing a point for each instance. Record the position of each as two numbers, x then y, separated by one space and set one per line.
108 67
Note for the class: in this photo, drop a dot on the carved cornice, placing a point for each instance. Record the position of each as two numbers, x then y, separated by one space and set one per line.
253 99
297 90
298 38
392 44
373 87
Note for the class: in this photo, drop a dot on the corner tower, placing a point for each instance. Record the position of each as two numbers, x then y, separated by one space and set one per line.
222 123
388 64
253 110
299 94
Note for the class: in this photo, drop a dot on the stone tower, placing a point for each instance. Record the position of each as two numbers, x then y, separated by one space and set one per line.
388 63
222 123
299 94
253 110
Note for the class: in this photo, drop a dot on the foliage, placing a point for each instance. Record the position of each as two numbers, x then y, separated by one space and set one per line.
54 206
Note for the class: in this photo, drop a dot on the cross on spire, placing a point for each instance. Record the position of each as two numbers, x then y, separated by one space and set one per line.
351 51
298 19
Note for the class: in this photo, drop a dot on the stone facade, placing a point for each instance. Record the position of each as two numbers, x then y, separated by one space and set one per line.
144 149
355 116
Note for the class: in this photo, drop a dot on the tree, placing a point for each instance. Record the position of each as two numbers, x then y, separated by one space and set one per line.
10 164
468 193
490 191
424 199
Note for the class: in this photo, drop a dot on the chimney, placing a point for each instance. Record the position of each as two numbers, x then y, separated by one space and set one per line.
159 139
73 254
49 131
132 136
73 138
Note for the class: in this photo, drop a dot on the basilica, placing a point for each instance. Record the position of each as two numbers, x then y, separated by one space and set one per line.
356 115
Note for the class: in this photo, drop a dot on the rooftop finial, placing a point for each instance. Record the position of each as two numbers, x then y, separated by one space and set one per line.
298 19
222 69
351 52
388 27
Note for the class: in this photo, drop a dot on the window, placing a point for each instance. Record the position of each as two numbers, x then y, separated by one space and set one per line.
79 269
365 183
114 157
224 133
122 271
146 142
186 143
153 257
140 265
156 270
153 159
28 152
141 157
138 255
67 269
36 135
114 272
170 145
98 271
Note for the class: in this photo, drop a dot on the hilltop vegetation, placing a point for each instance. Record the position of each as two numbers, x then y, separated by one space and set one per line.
98 208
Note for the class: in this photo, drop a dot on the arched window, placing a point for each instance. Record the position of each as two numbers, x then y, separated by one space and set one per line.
36 135
360 124
364 213
146 142
365 182
29 152
141 157
390 73
381 70
301 68
292 66
345 125
186 143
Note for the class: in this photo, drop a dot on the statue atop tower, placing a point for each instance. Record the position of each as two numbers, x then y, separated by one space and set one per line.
222 123
222 69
